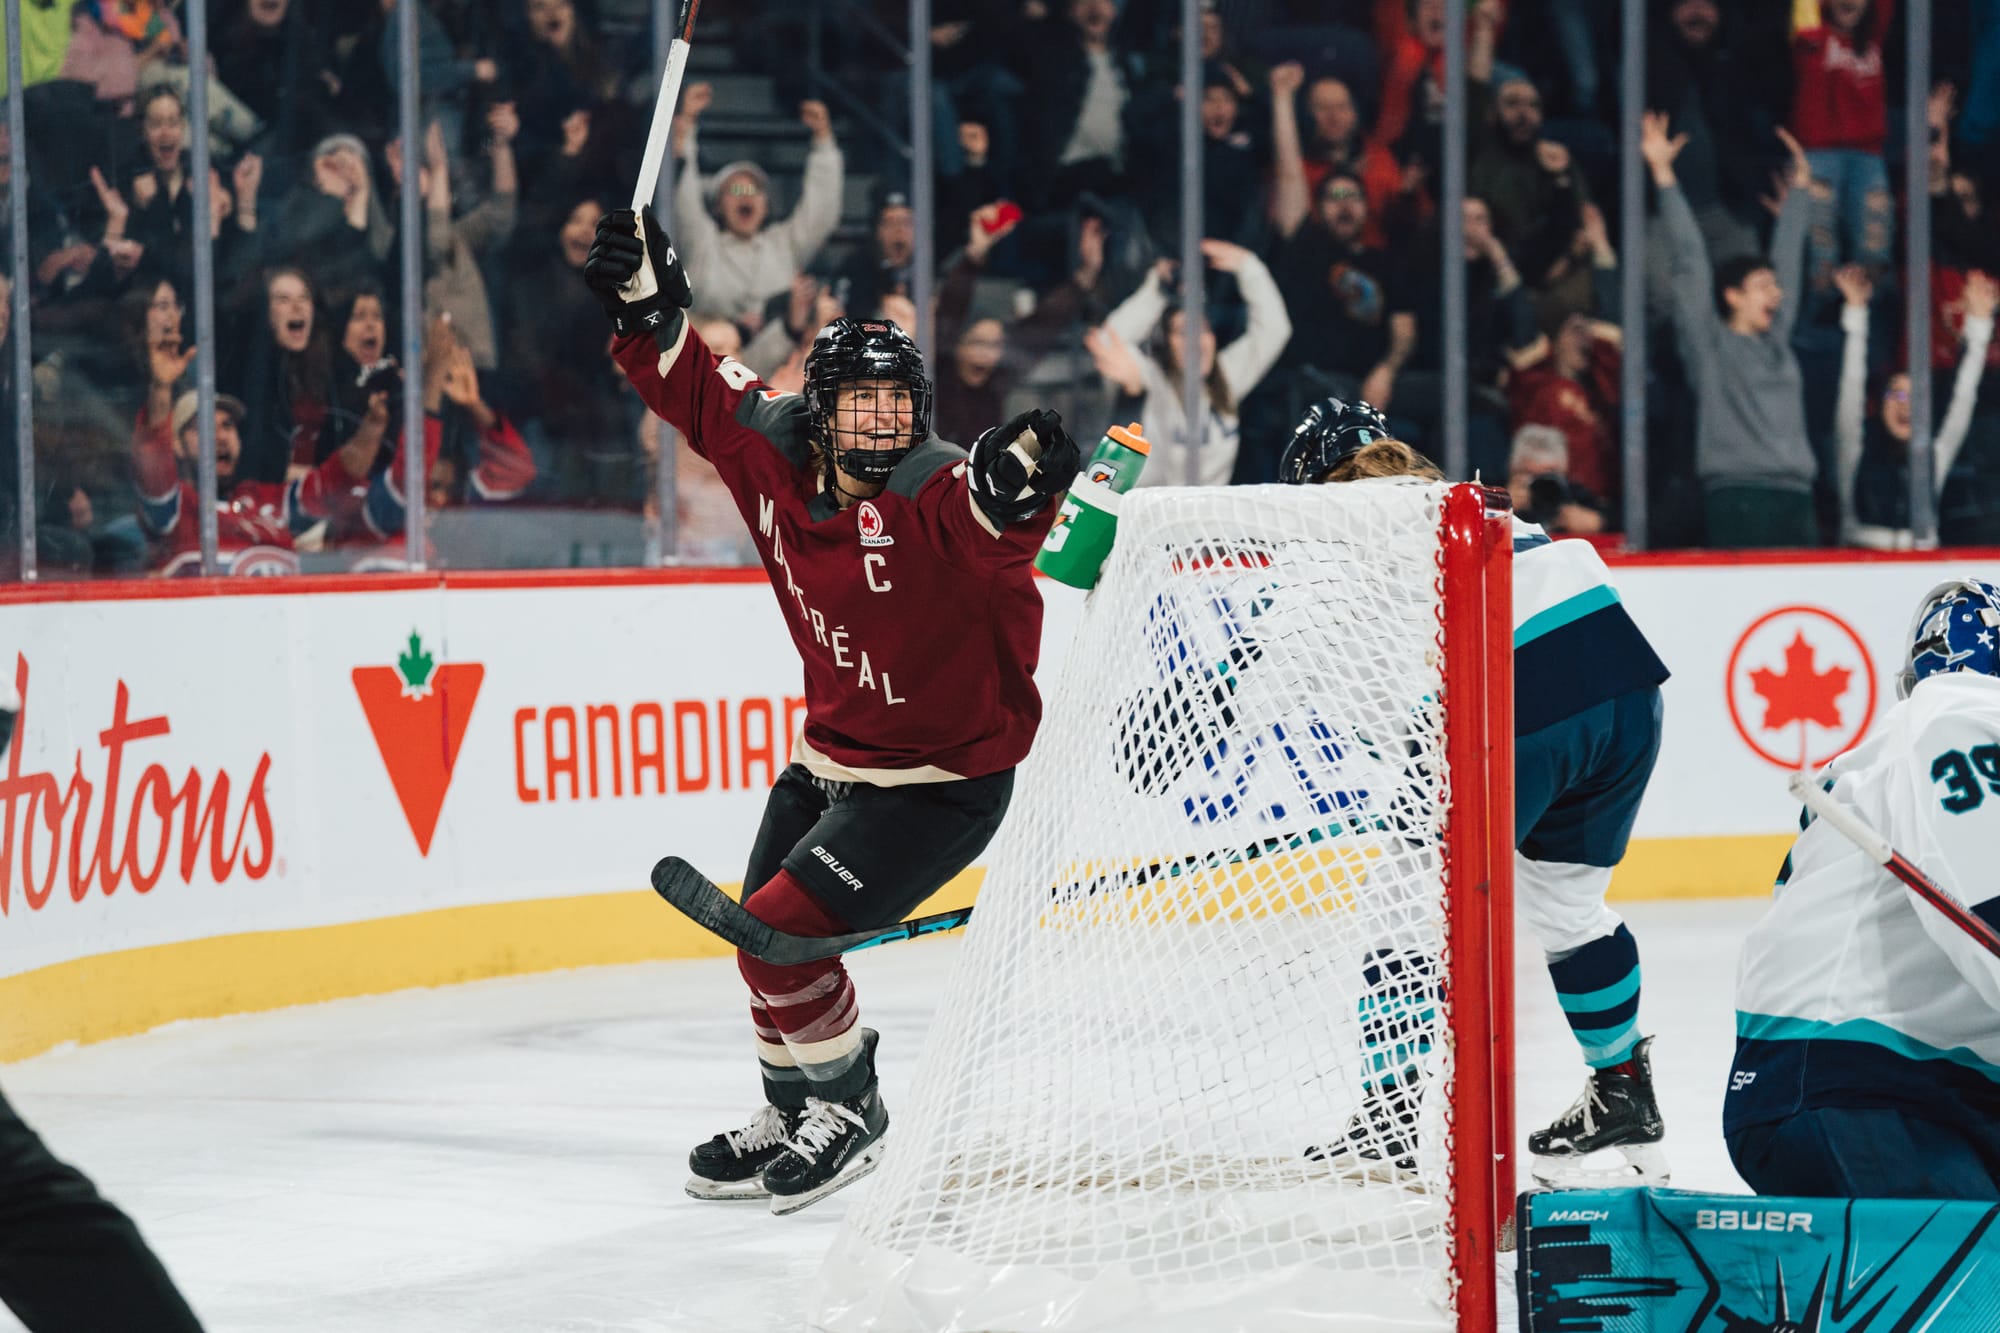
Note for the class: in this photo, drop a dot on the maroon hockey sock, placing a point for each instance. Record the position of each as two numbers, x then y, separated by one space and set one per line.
812 1005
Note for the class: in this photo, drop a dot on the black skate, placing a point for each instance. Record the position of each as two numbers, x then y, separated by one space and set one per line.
1615 1111
1380 1142
731 1166
835 1144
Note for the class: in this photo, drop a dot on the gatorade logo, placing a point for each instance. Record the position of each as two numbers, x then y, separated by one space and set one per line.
1104 472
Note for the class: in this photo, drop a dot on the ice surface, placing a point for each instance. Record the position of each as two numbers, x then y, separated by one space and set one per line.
509 1155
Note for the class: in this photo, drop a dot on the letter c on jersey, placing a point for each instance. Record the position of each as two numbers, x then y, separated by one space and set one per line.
868 564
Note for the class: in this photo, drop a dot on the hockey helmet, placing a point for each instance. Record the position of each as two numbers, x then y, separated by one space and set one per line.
850 350
1956 628
1330 432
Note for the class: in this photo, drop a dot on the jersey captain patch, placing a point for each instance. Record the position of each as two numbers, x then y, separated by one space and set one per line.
868 520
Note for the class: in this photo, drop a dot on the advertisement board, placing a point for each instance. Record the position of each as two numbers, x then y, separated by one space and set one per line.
200 767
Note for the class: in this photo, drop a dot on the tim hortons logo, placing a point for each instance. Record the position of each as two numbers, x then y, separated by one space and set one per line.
868 519
136 834
417 710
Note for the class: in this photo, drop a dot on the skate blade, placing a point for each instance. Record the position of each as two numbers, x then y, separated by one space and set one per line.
1607 1168
726 1191
1367 1171
870 1158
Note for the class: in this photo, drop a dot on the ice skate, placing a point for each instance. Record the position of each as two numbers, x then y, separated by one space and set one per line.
731 1165
1616 1111
835 1144
1380 1140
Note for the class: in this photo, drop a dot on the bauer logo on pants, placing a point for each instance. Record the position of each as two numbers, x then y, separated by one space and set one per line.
417 711
1801 687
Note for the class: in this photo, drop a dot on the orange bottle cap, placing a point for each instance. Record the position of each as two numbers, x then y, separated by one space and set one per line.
1132 437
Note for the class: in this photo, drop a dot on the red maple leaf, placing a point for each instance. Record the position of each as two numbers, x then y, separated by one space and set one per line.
1800 693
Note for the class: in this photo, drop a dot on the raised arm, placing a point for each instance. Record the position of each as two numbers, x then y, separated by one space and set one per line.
1788 242
1982 295
1138 314
1851 402
1687 255
695 232
1245 361
818 212
1290 200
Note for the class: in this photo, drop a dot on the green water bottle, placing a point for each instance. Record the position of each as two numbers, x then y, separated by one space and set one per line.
1076 546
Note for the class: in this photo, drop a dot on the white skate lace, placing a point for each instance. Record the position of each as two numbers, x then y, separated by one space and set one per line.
821 1127
1585 1108
766 1131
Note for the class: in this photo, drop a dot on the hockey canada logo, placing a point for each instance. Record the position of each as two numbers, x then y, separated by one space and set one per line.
1801 687
868 519
417 711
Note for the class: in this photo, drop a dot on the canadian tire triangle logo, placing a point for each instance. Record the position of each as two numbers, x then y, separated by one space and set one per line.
417 710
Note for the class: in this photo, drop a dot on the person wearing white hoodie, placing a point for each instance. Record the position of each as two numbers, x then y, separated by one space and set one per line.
734 255
1138 348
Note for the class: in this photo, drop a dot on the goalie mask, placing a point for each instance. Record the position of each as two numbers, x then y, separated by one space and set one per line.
1328 435
850 351
1956 628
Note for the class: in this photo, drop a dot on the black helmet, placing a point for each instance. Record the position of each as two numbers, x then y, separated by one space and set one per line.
1329 433
864 349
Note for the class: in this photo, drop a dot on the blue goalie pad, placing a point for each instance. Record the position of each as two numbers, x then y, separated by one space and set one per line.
1677 1261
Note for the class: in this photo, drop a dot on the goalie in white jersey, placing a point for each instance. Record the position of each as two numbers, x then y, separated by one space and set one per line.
1868 1024
1587 732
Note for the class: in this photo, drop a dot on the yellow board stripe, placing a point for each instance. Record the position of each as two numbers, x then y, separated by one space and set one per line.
118 994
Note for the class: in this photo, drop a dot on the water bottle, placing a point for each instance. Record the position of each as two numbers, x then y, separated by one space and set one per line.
1076 546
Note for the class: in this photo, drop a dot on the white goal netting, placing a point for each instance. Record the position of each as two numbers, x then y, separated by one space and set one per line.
1212 936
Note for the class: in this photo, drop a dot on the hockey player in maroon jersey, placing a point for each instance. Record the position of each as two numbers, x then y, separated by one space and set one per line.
902 567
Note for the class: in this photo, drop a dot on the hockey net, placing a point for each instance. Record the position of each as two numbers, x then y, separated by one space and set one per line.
1245 891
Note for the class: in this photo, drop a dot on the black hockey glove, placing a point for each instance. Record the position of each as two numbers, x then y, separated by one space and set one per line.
1017 467
640 284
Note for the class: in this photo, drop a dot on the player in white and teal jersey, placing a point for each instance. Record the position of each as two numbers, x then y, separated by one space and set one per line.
1867 1023
1586 734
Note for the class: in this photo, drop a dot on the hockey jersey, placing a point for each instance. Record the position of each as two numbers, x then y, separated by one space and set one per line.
1574 645
1852 991
917 619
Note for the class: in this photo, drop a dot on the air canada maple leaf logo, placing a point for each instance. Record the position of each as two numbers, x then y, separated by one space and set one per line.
418 711
1801 692
1801 687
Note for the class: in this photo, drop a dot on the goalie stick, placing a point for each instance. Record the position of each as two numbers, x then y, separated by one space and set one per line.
1877 849
700 900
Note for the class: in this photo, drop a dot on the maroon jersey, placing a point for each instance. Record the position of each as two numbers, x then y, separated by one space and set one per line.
918 621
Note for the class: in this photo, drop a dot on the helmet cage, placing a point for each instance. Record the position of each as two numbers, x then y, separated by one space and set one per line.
849 351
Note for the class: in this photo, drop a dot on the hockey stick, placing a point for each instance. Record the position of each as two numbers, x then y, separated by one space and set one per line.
1877 849
698 898
661 133
702 902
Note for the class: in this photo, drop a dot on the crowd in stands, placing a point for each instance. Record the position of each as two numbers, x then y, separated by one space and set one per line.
1778 389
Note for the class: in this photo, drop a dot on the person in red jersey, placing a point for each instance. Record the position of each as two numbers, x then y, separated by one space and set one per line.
260 525
902 566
